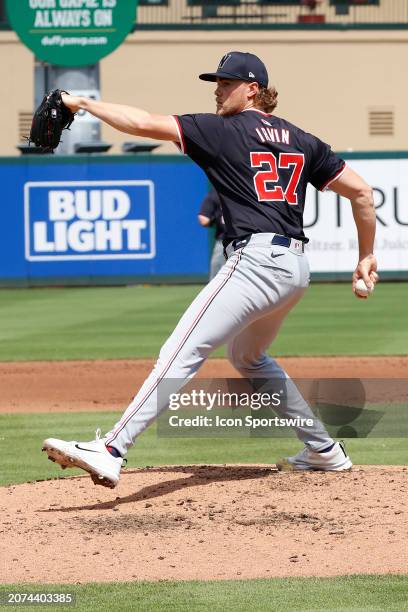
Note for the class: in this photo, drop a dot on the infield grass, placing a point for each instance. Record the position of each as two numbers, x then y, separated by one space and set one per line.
343 594
132 322
22 435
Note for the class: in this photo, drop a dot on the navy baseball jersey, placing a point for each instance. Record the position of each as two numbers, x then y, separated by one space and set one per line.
260 166
211 208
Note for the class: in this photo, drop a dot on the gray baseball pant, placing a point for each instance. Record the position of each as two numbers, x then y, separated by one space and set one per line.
243 307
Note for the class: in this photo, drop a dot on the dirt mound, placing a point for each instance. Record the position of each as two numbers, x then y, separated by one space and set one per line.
206 522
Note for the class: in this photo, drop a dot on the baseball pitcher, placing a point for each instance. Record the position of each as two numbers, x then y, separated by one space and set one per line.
260 165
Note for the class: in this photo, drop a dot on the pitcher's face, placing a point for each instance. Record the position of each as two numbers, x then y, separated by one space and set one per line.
233 96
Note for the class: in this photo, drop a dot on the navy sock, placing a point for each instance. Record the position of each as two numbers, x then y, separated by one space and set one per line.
326 450
113 451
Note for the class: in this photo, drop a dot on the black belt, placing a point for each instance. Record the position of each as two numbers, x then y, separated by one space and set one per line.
278 239
281 240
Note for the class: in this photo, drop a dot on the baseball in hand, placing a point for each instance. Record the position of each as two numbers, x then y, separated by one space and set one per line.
362 289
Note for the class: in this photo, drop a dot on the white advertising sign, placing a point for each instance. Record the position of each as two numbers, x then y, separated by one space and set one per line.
329 224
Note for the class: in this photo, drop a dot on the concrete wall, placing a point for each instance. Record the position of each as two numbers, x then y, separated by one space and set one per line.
327 80
16 89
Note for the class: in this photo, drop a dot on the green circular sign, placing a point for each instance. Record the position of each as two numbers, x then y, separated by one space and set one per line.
71 32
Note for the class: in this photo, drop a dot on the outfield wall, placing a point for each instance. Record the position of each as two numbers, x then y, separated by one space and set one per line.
123 219
103 219
329 224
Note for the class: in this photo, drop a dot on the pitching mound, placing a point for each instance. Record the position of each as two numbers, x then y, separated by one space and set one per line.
206 522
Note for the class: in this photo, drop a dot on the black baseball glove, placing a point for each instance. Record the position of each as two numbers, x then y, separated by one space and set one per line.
50 118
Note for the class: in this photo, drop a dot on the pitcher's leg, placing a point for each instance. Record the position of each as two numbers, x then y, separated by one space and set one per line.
221 310
212 317
247 354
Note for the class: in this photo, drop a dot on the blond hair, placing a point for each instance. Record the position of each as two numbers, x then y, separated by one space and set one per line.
266 99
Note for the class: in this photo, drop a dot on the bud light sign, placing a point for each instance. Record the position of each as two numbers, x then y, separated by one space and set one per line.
80 220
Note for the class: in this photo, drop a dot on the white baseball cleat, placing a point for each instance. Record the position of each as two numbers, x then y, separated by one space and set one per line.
335 460
93 457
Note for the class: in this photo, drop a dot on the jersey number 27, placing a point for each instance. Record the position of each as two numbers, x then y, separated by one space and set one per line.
294 161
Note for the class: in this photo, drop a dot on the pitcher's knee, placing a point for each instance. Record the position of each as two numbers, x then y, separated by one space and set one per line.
246 360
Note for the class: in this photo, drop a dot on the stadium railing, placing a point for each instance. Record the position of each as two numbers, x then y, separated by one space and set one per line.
264 14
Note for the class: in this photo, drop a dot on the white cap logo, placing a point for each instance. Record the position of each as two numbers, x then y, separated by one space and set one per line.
251 75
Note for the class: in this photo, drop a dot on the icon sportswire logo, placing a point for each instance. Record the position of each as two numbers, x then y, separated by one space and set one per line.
89 220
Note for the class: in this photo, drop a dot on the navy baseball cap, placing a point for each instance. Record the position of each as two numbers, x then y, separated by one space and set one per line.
240 66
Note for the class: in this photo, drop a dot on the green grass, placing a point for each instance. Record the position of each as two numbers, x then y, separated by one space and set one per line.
343 594
22 435
108 323
132 322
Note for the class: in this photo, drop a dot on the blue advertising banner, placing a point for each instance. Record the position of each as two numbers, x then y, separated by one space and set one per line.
84 220
108 219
